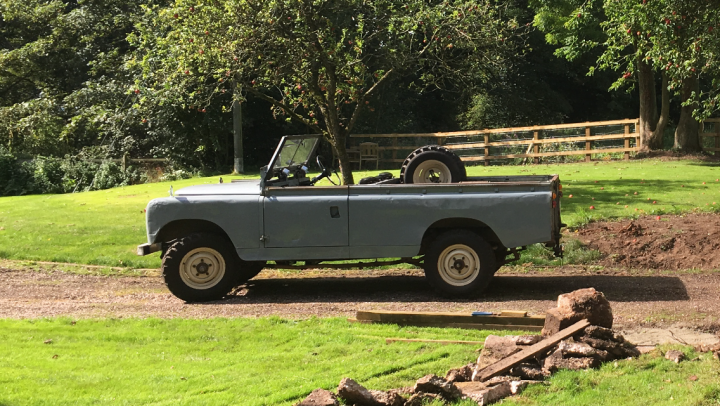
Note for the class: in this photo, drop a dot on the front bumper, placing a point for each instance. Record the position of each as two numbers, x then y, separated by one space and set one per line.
147 249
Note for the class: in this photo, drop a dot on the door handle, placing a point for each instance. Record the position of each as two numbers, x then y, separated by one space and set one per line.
335 212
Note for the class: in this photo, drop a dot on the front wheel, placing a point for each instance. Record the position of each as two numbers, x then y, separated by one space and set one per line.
200 267
459 263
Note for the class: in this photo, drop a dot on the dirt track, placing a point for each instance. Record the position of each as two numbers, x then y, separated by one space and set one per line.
689 299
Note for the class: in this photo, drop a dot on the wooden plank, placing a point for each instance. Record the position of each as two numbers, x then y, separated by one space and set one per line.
505 364
544 154
513 313
543 141
709 135
447 318
536 146
500 130
713 149
418 340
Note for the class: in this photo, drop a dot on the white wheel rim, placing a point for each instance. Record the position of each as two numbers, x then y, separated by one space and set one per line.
432 171
202 268
458 265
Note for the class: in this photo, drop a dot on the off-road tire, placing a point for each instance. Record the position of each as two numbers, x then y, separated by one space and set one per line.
433 153
471 252
195 249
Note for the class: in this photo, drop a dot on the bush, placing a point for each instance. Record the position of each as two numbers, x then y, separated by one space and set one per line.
63 175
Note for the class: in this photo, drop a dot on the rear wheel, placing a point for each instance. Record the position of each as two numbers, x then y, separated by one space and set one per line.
459 263
432 164
201 267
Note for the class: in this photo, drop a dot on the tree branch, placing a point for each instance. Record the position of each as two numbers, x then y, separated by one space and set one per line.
361 102
285 108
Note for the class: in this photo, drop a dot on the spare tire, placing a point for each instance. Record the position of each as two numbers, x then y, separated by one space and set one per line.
432 164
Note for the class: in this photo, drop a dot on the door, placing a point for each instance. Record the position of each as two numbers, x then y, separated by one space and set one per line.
305 217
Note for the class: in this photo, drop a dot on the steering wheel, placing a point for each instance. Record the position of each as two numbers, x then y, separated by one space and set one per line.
325 173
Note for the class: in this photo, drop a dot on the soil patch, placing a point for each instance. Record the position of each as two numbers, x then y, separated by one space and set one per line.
690 241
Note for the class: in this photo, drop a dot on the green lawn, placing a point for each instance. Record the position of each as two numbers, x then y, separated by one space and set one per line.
246 362
271 361
104 227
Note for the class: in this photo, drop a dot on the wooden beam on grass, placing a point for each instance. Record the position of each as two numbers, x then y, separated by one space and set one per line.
505 364
417 340
517 321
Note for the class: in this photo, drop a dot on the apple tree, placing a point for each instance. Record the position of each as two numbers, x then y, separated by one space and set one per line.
318 62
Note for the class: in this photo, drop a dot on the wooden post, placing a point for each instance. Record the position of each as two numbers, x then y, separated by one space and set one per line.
238 162
124 161
627 142
717 138
536 147
394 151
487 149
588 145
441 141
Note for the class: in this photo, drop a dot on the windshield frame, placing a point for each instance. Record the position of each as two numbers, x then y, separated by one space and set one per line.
271 168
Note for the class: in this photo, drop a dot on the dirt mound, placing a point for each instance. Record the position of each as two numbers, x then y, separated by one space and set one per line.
690 241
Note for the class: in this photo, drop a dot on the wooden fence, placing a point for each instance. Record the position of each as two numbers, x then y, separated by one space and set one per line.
477 146
715 133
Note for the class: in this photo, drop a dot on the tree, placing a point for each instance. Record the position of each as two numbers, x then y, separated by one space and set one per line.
318 62
641 38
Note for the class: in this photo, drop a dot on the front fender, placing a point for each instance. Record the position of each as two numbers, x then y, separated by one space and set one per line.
238 216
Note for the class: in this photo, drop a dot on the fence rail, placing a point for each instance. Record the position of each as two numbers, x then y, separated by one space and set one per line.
476 145
714 134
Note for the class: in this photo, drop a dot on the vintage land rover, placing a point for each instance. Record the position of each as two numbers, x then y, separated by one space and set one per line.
460 229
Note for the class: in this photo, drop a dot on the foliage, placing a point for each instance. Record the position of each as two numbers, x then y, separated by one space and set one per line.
60 175
319 63
267 361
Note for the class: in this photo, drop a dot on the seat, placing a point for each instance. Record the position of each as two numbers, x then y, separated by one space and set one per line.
369 152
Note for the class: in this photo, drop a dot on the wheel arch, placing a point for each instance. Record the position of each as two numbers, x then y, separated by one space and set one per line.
460 223
183 227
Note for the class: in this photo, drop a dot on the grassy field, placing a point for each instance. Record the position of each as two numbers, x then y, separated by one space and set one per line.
271 361
246 362
104 227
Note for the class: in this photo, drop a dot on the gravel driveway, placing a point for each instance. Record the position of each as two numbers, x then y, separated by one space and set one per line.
638 300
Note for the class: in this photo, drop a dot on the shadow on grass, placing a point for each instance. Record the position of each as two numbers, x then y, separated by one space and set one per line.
416 289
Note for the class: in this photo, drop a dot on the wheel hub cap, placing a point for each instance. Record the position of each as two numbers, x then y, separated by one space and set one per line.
202 268
458 265
432 172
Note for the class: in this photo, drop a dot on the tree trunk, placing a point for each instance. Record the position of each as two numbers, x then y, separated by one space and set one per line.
686 134
648 107
656 141
338 143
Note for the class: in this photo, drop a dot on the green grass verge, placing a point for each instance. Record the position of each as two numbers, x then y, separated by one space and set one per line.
272 361
267 361
104 227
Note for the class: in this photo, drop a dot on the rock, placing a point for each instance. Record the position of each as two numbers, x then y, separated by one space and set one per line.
420 399
492 394
582 350
463 374
497 380
556 361
528 372
716 355
470 389
495 349
616 350
516 387
354 393
601 333
675 356
527 339
581 304
435 384
320 397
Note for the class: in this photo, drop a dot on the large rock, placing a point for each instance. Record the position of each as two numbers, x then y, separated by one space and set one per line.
615 349
354 393
435 384
581 350
581 304
495 349
320 397
491 394
527 371
556 361
463 374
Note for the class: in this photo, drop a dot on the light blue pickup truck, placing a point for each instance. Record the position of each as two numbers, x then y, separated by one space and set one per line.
460 229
